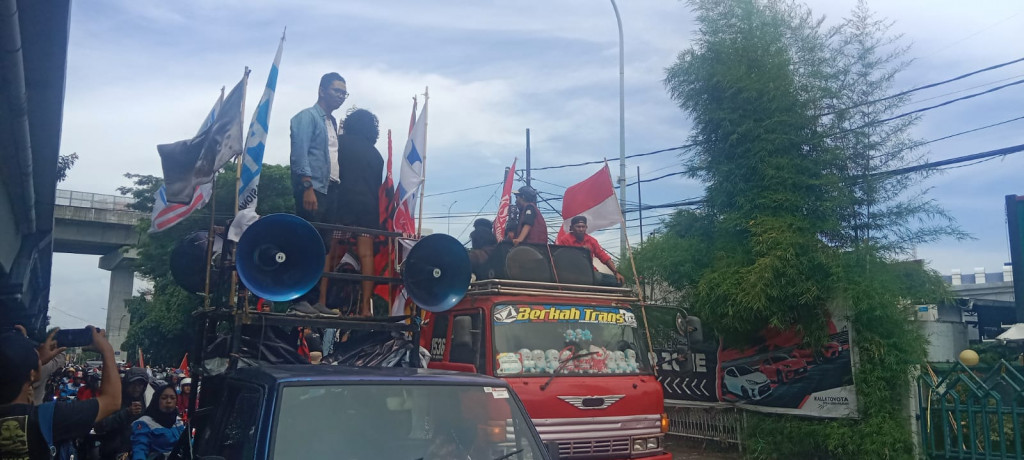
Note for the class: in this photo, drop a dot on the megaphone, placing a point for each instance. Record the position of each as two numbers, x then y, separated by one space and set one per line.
436 272
188 261
280 257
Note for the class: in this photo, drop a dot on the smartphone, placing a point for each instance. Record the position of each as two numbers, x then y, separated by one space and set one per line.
73 337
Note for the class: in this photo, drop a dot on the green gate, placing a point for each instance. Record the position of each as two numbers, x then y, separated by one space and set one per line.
972 413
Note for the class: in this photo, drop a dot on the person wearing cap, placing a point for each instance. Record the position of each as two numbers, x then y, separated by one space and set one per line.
532 228
20 362
578 237
115 431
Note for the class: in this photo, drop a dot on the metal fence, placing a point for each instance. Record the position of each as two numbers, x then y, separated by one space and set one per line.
93 200
713 422
972 413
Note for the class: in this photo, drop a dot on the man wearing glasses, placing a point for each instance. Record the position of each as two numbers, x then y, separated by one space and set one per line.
314 153
315 169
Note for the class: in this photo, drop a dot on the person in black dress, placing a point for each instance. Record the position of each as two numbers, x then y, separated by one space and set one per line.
362 169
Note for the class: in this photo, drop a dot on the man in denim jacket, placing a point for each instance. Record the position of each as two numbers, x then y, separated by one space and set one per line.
314 153
315 169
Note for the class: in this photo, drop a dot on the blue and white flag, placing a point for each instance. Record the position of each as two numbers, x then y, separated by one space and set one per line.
252 157
411 176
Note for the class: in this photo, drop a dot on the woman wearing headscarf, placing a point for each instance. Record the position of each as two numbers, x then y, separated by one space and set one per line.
155 433
362 169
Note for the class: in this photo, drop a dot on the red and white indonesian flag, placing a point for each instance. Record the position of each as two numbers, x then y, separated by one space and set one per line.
506 201
593 198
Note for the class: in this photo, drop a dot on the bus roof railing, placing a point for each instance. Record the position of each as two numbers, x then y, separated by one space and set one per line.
538 288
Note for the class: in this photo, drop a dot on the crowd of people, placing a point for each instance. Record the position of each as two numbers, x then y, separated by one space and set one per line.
108 411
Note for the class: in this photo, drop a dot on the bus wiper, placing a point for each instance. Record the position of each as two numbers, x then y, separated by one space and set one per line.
561 365
510 454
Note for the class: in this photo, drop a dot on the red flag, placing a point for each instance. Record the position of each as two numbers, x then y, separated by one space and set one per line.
142 362
184 366
384 258
593 198
505 203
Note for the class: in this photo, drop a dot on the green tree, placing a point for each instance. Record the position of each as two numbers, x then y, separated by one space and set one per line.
797 222
64 164
162 323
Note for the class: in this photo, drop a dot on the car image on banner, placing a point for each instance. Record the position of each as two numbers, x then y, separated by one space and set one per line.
776 372
746 383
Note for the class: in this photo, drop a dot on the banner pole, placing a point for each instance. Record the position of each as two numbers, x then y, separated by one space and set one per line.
423 185
238 184
209 241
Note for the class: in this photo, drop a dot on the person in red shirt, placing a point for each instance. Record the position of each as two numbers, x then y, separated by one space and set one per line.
578 237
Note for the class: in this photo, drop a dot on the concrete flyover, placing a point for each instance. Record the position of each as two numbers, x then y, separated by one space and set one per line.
103 225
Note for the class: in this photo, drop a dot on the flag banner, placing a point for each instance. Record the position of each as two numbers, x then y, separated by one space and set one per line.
383 257
184 366
593 198
252 157
195 161
505 204
167 214
403 221
256 142
411 176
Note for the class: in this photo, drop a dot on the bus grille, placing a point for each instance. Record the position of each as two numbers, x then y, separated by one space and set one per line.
582 447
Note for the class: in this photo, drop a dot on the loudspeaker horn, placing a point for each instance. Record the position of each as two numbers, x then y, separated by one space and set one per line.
436 272
188 261
280 257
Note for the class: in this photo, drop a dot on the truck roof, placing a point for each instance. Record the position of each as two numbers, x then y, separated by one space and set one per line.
274 374
496 287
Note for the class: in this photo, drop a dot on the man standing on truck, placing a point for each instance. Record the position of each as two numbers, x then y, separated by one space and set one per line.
315 169
532 228
578 237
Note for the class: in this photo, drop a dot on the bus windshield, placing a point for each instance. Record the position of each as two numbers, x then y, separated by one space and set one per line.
567 339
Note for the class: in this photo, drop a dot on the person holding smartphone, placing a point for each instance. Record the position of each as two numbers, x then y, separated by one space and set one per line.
20 363
115 431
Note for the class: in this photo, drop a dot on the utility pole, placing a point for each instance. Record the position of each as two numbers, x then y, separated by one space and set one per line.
528 158
622 131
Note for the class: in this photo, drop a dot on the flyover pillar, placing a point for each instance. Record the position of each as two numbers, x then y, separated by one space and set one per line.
122 280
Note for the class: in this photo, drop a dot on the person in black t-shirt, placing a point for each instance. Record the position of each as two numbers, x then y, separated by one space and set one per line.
362 170
20 434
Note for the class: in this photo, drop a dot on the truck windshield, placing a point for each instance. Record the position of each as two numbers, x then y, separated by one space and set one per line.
567 339
368 421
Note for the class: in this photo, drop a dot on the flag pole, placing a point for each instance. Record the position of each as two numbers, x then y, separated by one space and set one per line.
209 241
238 184
423 183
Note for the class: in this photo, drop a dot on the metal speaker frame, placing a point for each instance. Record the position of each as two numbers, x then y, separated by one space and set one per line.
280 257
437 272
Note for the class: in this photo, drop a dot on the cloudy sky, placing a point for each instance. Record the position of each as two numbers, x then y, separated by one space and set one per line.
144 72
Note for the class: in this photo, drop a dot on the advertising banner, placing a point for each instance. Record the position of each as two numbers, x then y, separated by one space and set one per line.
777 373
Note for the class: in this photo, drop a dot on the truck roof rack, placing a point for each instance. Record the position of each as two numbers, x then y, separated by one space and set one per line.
538 288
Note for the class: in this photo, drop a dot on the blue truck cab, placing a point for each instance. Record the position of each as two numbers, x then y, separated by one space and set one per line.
337 412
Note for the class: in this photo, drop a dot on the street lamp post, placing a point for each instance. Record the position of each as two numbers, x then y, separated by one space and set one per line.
622 131
450 216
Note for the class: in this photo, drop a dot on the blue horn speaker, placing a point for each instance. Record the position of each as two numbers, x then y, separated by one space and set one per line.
280 257
436 272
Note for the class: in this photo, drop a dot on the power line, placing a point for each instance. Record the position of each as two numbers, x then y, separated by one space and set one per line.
975 158
461 190
931 85
925 109
635 155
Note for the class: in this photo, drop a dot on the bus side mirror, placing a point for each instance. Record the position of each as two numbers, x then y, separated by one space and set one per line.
552 447
690 327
